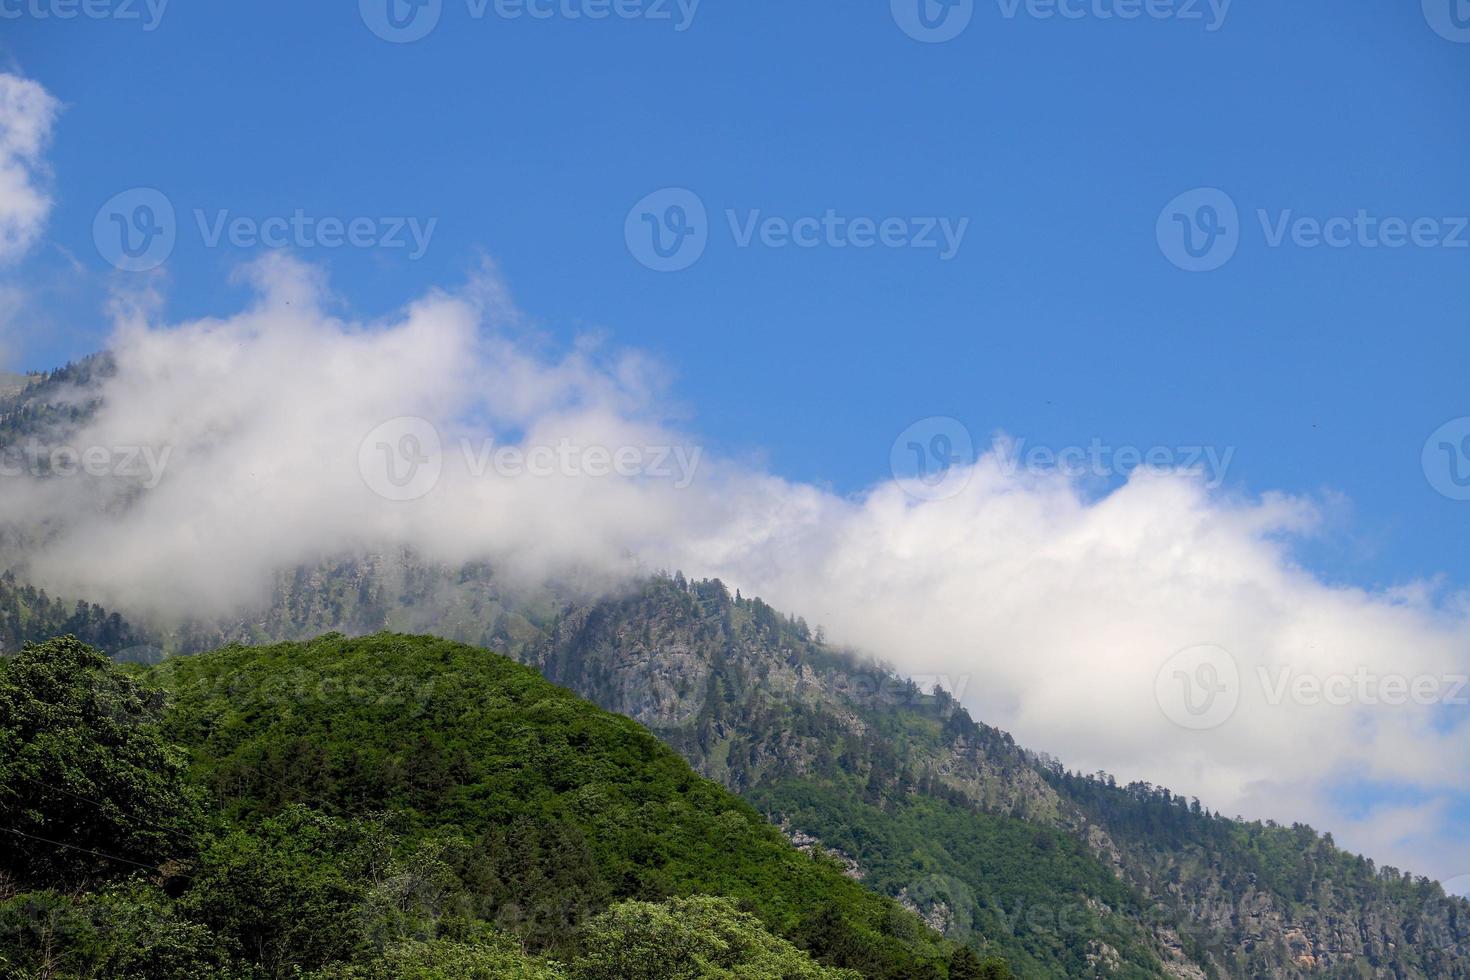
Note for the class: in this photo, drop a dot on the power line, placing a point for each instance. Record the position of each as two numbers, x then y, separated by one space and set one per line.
182 835
87 850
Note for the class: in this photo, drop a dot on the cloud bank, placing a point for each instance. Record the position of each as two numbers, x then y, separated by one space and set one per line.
1062 612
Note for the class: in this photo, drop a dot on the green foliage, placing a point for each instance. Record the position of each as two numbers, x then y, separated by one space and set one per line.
690 938
778 711
849 746
494 958
389 807
1032 895
755 700
129 931
565 806
288 891
966 964
88 785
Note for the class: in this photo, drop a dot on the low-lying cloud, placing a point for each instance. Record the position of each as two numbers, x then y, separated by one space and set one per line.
1063 610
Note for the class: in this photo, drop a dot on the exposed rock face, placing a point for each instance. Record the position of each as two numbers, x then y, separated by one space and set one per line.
937 915
652 667
1102 958
1176 960
808 844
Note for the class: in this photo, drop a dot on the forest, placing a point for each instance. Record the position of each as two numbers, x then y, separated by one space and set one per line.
393 806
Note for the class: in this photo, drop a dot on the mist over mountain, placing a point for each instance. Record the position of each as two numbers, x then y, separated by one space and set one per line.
233 448
1030 599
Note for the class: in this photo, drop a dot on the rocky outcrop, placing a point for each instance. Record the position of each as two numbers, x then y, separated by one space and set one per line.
808 844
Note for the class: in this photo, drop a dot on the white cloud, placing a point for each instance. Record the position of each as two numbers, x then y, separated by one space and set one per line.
27 112
1059 606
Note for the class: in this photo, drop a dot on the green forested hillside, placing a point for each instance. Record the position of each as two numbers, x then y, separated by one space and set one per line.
1031 894
392 806
877 768
825 743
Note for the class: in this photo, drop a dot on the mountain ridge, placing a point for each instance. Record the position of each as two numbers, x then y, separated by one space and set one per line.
757 703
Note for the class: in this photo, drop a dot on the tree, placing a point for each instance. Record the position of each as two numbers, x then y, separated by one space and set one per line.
489 957
689 938
289 891
88 786
130 931
966 964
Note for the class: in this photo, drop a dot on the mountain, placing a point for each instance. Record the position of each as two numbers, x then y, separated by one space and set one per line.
906 784
394 806
1064 874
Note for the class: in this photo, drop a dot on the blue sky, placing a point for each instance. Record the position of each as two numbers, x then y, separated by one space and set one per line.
1059 320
